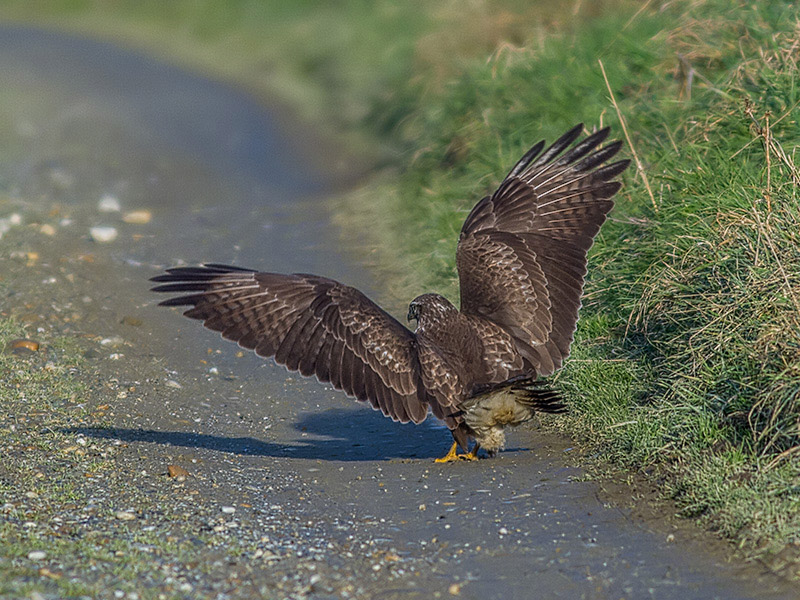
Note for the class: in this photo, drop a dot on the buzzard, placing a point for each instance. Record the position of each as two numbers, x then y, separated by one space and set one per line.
521 262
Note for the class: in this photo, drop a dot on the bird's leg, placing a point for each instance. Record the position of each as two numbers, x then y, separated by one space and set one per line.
450 456
472 454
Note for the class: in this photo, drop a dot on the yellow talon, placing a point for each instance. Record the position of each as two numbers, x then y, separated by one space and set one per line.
453 457
450 456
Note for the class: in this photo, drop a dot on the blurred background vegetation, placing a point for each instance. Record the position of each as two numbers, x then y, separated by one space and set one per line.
687 361
352 64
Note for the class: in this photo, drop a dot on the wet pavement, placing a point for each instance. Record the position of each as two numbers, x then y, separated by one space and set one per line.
224 181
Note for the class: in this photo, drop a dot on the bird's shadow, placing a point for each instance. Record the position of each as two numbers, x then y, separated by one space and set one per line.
335 435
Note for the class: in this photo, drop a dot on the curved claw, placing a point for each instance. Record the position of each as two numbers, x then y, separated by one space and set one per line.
451 456
473 454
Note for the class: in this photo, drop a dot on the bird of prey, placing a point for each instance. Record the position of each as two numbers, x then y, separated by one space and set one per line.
521 263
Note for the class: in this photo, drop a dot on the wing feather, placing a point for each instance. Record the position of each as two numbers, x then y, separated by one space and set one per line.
522 251
309 324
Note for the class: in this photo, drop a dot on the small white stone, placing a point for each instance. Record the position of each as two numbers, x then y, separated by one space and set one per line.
228 510
108 203
124 515
503 531
137 217
47 229
37 555
173 384
103 234
15 219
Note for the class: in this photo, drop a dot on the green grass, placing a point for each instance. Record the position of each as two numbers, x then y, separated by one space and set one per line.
686 360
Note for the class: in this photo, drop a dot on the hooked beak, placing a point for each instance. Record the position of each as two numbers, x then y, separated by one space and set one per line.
413 312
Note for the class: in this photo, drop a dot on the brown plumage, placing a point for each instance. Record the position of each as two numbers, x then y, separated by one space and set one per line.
521 262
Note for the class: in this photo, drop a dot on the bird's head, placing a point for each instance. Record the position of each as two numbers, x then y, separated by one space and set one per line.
429 306
413 311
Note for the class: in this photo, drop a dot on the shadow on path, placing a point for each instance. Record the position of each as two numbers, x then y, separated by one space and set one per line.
336 434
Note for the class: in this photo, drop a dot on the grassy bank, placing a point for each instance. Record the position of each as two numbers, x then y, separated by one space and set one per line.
686 363
687 360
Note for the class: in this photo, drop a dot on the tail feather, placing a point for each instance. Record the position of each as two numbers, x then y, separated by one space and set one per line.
530 392
540 399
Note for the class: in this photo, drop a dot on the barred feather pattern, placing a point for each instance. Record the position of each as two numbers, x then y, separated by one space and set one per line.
522 251
309 324
521 262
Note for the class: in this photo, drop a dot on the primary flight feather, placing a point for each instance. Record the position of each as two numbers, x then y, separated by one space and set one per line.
521 262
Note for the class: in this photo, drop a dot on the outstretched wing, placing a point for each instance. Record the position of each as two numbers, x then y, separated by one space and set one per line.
310 324
522 252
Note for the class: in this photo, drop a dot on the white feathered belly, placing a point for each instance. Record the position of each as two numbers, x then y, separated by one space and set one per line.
487 415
